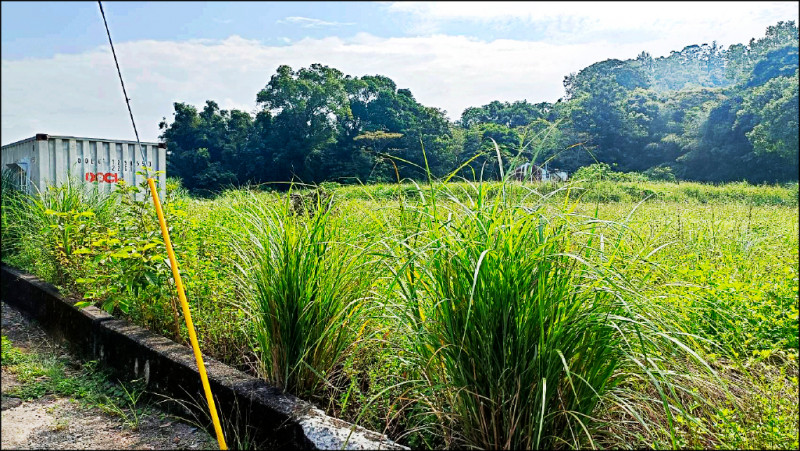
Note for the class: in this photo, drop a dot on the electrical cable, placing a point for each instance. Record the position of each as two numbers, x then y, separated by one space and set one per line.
124 92
173 261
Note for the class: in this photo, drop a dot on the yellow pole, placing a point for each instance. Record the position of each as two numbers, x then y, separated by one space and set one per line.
186 314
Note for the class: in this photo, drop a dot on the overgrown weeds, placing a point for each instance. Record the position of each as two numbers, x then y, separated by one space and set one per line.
305 281
42 373
471 314
521 320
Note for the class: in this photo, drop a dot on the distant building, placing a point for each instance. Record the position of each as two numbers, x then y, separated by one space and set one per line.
533 173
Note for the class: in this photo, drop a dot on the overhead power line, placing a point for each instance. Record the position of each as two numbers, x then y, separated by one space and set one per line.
124 92
173 262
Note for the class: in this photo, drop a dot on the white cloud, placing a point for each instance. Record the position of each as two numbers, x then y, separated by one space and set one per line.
654 25
79 94
308 22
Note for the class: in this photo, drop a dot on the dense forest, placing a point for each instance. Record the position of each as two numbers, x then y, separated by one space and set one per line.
704 113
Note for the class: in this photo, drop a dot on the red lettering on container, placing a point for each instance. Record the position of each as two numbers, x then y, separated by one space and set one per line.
107 177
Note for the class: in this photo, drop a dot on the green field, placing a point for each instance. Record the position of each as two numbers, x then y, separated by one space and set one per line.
490 315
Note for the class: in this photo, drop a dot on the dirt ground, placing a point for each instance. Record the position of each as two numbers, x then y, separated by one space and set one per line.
52 422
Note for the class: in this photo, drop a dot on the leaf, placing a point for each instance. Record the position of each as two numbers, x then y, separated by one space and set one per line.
83 304
108 306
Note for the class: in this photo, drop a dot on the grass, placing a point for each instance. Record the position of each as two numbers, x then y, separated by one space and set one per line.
605 191
41 373
235 425
60 215
304 285
494 321
603 314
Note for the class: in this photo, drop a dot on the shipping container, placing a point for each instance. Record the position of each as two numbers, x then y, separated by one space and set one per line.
34 163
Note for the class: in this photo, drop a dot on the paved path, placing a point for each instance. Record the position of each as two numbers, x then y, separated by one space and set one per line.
52 422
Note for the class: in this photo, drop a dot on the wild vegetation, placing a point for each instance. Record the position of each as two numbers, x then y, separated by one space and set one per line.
455 307
41 373
602 313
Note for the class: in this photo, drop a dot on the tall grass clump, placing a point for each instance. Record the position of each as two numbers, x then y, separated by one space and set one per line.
304 281
10 241
521 324
45 229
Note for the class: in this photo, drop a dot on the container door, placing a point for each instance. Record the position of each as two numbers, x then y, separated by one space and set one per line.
19 176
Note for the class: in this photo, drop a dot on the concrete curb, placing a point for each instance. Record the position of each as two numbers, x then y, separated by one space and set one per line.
270 417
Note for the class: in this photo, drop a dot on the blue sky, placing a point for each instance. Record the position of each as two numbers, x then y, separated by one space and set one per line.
58 76
69 27
72 26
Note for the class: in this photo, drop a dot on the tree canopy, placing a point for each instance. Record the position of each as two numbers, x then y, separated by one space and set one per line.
703 113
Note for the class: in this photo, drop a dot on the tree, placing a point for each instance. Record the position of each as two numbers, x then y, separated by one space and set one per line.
721 151
307 108
780 62
204 147
374 144
740 58
478 142
627 75
256 156
516 114
378 106
711 114
774 107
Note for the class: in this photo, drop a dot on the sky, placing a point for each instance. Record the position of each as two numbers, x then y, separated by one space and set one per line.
58 74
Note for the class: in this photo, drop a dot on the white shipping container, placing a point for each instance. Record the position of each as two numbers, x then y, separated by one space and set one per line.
46 160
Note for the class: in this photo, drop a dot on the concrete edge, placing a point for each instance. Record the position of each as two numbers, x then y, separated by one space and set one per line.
270 417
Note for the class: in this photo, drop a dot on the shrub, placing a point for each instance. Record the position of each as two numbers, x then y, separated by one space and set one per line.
520 326
304 283
602 171
660 173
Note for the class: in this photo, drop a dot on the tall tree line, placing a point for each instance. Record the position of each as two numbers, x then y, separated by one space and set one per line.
703 113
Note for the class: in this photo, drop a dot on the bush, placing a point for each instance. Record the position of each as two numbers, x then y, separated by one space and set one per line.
520 330
602 171
660 173
304 283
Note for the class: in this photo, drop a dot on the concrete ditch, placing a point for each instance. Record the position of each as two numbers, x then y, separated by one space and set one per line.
249 407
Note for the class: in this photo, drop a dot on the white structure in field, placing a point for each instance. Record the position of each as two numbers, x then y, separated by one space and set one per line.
46 160
532 172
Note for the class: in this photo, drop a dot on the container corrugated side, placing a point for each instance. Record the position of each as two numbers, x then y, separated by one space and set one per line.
100 162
